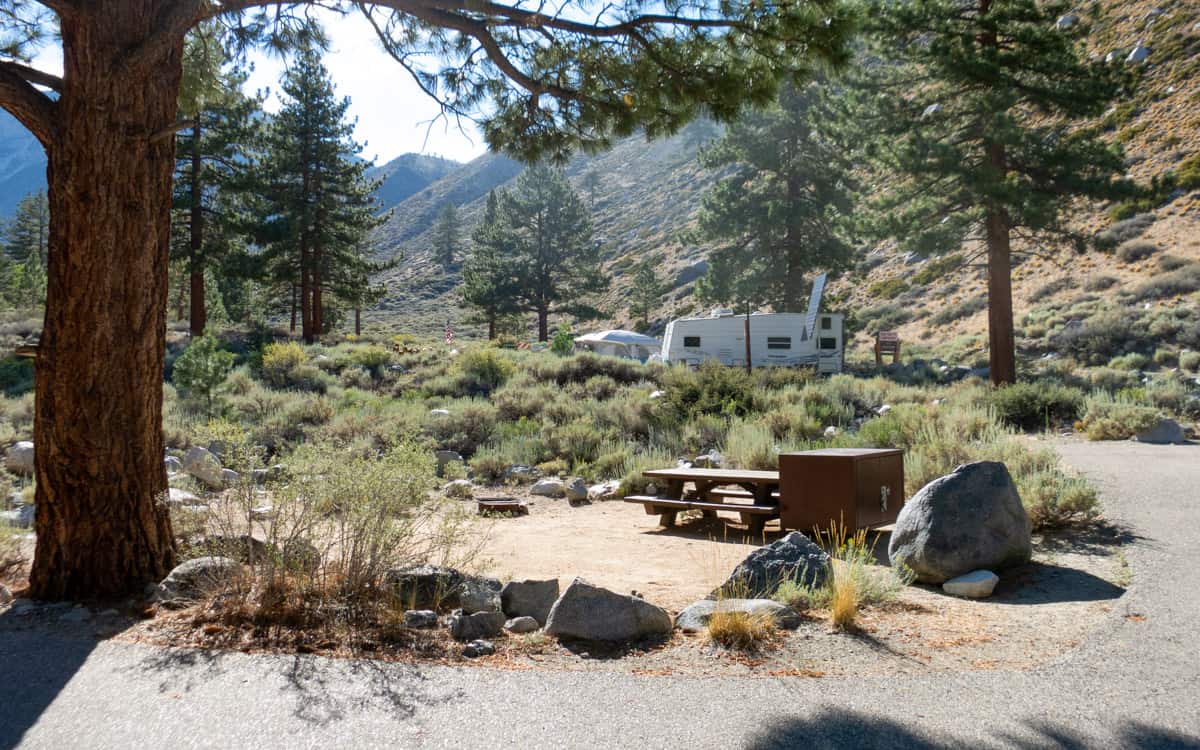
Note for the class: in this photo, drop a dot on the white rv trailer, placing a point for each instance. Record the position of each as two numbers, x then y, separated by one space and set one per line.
812 339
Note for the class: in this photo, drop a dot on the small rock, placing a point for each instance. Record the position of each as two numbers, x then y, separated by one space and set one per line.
1166 432
229 477
931 110
520 473
603 491
78 614
1114 56
655 395
241 547
262 513
423 586
173 465
477 595
460 488
978 584
549 487
468 627
591 613
576 490
831 432
177 498
478 648
792 557
196 578
710 460
420 618
532 598
1065 22
1139 55
695 618
521 625
19 457
439 412
883 409
259 476
21 518
445 458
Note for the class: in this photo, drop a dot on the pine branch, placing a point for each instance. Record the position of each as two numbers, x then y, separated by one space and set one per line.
33 109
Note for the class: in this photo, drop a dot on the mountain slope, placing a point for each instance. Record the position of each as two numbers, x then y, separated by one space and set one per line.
408 174
22 164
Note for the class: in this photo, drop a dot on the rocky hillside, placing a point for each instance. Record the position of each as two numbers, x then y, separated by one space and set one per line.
408 174
649 193
22 164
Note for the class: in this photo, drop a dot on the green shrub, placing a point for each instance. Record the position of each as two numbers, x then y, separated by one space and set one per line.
562 342
1033 406
1051 288
936 268
16 375
1100 338
888 288
1100 283
464 429
201 369
1132 361
1183 280
1171 262
484 369
750 445
964 309
1166 358
1111 380
712 388
1135 250
1124 228
884 317
1109 418
1190 361
279 361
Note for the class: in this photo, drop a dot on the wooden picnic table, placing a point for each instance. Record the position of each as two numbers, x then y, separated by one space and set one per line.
710 494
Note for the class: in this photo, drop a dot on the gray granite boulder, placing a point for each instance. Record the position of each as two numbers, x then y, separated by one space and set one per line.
522 625
479 647
970 519
173 465
1166 432
549 487
790 558
177 498
468 627
576 490
695 618
445 458
197 578
203 465
20 518
461 489
529 598
18 459
478 595
420 618
590 613
423 586
978 584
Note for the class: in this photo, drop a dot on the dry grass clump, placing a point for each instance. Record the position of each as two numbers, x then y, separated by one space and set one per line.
741 631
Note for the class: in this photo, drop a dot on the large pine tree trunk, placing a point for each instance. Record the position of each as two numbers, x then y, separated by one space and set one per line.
1002 364
492 327
543 324
199 314
101 530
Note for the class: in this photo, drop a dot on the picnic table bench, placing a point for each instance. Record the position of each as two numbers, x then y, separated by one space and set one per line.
711 488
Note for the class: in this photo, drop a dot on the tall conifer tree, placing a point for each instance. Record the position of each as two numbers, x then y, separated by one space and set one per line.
489 274
975 109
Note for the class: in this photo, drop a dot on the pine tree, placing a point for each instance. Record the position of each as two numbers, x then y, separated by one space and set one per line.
26 243
647 290
782 213
489 274
975 109
318 197
212 174
557 262
591 183
445 236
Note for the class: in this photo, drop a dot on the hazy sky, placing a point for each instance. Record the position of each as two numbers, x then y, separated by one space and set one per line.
393 113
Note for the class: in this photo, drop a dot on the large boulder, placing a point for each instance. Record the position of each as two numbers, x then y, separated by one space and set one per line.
196 578
790 558
177 498
173 465
576 491
478 595
1165 432
695 618
549 487
529 598
590 613
18 459
203 465
433 586
970 519
445 458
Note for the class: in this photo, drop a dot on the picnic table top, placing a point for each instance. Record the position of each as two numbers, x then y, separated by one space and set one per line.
725 475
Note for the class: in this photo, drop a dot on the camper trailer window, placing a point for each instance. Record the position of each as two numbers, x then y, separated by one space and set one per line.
779 342
691 341
829 343
826 324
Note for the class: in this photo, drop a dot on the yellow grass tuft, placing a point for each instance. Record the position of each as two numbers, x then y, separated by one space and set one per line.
740 630
844 601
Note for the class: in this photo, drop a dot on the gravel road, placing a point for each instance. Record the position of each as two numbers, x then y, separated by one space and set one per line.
1135 682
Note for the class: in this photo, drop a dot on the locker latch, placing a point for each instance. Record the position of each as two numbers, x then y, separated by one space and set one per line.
884 492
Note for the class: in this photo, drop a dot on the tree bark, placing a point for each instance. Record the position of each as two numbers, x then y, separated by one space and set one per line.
199 314
492 327
101 528
358 321
1002 365
543 324
293 328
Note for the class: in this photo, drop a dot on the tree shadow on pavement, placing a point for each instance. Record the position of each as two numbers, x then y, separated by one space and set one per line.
34 667
833 728
323 690
1045 583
